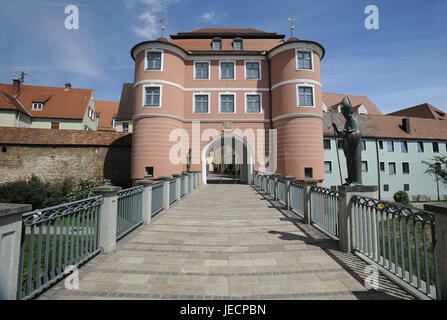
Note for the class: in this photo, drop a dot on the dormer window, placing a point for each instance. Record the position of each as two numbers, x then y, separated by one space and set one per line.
217 44
37 106
237 44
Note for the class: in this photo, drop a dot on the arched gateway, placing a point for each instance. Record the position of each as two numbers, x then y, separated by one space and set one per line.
227 81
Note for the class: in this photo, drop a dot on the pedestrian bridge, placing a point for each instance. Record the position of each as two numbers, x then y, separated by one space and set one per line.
226 241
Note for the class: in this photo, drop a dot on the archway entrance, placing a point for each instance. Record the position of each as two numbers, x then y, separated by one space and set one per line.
227 159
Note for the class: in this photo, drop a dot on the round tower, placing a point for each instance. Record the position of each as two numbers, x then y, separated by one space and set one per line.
297 108
157 107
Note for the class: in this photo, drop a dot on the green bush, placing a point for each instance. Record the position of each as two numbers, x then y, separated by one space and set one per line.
402 197
84 188
35 192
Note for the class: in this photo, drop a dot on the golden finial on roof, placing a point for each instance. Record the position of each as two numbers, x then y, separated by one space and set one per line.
162 28
291 26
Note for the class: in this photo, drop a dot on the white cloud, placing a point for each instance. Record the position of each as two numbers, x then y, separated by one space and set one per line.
151 16
208 16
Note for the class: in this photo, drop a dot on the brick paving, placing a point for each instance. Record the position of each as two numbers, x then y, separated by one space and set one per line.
225 242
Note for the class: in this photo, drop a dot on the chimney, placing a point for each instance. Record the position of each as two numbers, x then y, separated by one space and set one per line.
406 125
67 86
15 87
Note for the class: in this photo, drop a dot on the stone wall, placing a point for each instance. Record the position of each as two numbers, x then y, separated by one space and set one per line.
93 155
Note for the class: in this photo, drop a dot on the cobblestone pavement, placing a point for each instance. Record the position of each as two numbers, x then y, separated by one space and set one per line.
225 242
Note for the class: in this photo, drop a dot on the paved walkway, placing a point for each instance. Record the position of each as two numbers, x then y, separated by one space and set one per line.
225 241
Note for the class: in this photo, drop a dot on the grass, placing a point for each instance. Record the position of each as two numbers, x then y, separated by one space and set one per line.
402 230
63 247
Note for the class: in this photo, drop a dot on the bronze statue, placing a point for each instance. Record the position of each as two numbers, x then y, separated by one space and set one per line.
352 135
188 161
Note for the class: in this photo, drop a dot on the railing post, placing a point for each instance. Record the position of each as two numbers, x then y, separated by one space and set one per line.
186 176
307 199
10 240
440 211
255 172
178 182
288 179
165 191
345 226
108 215
147 200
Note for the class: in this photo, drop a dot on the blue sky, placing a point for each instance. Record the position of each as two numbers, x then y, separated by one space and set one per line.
402 64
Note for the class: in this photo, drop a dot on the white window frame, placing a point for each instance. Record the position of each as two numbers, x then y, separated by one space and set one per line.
146 61
367 166
114 123
331 166
209 70
35 106
304 85
226 94
245 69
220 68
330 144
194 102
144 95
122 126
311 59
261 109
212 44
238 40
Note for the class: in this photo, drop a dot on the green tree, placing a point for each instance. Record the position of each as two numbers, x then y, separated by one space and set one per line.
437 167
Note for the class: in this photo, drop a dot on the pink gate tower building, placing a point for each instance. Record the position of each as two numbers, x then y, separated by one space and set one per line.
229 80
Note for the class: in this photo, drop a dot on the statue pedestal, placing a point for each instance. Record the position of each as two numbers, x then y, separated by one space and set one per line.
345 226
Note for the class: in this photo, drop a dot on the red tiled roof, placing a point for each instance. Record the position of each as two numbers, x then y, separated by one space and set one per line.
10 103
424 110
59 102
126 102
386 126
29 136
106 110
333 100
226 30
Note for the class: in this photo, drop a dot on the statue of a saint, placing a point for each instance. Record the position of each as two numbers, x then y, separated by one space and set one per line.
188 161
352 136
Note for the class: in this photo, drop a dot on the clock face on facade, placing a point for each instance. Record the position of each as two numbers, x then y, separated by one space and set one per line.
227 126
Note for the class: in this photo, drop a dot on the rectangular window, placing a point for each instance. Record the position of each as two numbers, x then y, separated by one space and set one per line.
201 70
405 168
435 146
390 146
386 187
149 171
125 126
97 120
404 146
340 144
364 166
153 60
252 71
39 106
227 70
114 122
392 168
327 144
201 103
304 60
382 166
328 167
217 44
420 146
152 97
227 103
363 145
380 144
305 97
406 187
237 45
253 103
54 125
308 173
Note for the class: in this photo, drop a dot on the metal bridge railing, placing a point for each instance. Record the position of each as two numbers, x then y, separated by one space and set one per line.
53 239
129 214
182 187
282 191
272 186
324 208
399 238
157 198
297 197
172 191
